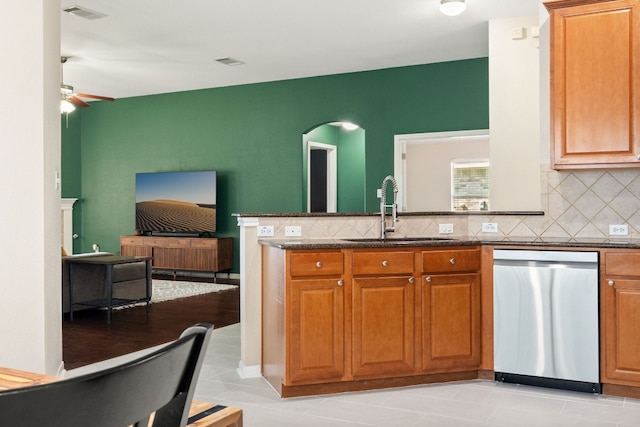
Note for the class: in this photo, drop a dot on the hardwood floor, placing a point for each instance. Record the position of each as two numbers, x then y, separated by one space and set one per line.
89 338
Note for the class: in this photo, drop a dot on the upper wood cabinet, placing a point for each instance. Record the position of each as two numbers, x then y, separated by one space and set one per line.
595 80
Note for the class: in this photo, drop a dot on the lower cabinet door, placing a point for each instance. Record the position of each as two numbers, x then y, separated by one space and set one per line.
621 331
450 322
315 336
200 259
383 327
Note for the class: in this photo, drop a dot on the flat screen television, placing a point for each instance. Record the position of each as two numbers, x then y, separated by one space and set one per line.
176 203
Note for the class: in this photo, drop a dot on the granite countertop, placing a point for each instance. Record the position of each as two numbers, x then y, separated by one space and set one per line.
359 214
355 243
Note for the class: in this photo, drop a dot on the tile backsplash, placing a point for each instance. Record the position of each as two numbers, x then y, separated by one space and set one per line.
580 204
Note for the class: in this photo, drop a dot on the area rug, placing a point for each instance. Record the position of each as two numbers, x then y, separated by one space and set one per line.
165 290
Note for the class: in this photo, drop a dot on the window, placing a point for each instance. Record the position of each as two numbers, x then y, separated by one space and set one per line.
470 185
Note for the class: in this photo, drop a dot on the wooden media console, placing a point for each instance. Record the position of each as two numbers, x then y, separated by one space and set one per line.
182 253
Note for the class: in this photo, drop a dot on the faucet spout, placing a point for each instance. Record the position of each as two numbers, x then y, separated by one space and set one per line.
383 207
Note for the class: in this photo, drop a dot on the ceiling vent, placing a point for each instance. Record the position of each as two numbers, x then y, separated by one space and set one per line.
83 12
229 61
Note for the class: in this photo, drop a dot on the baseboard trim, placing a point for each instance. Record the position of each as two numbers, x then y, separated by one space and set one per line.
485 374
621 390
61 371
372 384
252 371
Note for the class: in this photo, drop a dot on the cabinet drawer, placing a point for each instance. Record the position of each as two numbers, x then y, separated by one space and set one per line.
387 262
167 242
622 263
315 263
132 241
204 243
447 261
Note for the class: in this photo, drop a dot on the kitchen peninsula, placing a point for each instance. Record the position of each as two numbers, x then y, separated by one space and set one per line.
419 356
353 314
353 318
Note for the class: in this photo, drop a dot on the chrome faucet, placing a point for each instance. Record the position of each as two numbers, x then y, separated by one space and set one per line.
383 207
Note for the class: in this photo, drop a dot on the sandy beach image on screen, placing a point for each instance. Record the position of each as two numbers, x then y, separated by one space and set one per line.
173 215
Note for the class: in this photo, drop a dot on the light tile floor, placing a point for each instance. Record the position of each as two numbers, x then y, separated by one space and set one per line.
465 404
459 404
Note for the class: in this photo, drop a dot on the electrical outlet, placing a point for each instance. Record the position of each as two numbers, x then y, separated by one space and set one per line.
489 227
445 228
619 230
293 231
265 231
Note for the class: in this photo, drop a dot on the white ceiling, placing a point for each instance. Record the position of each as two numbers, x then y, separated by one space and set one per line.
147 47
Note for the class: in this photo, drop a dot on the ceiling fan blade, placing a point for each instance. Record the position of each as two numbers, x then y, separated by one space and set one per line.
103 98
78 101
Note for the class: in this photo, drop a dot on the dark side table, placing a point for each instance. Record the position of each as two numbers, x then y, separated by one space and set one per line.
109 261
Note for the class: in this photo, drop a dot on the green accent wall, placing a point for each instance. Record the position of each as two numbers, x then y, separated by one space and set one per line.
252 135
351 170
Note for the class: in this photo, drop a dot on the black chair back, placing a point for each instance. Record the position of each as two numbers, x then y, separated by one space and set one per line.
162 382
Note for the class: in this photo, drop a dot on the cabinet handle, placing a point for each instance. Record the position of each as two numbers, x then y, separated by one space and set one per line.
385 263
411 280
452 260
340 282
428 279
319 264
611 283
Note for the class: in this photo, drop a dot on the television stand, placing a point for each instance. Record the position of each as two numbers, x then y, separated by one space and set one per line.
213 254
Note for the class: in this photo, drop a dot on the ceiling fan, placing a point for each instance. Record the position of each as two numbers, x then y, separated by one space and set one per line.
69 98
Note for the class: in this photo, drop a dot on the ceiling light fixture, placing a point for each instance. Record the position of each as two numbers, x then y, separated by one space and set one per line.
452 7
349 126
66 106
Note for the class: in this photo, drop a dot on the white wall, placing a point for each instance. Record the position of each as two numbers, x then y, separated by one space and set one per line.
428 170
30 306
514 115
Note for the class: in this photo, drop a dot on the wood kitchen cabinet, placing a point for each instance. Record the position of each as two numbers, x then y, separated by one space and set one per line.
595 83
450 299
383 313
315 309
303 317
620 320
353 319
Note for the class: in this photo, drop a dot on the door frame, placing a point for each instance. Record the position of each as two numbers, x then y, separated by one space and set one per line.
332 174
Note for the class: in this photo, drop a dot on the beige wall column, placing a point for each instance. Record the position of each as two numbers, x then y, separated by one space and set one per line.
30 307
250 299
514 114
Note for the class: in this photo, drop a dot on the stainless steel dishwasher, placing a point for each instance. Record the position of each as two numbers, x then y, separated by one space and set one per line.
546 318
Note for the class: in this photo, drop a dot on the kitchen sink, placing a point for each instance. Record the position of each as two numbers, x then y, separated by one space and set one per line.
401 240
